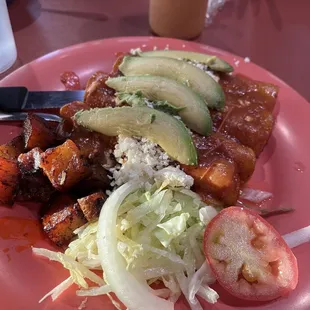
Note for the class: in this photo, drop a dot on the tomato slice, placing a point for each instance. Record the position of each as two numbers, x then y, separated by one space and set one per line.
248 256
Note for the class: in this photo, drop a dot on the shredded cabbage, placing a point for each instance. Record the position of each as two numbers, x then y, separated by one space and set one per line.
143 235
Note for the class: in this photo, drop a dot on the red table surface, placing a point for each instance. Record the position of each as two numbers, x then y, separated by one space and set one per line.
273 33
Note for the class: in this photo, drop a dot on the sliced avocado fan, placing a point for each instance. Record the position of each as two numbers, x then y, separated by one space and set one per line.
195 113
180 71
157 126
213 62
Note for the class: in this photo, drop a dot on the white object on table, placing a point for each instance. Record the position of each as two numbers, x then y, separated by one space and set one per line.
8 51
213 8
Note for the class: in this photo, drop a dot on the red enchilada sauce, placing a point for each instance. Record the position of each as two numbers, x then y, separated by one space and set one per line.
240 132
70 80
226 158
25 233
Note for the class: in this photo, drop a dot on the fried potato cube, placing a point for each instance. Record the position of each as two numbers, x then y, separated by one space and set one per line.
30 162
35 187
64 165
9 177
62 218
92 204
12 149
96 181
38 133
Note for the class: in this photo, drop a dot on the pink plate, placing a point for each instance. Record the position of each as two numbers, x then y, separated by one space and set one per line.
283 168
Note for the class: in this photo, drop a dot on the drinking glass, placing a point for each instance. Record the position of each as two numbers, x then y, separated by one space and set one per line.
8 51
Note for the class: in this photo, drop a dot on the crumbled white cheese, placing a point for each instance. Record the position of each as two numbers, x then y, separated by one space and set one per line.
138 160
62 177
215 77
236 62
247 59
206 69
135 51
143 45
174 177
37 160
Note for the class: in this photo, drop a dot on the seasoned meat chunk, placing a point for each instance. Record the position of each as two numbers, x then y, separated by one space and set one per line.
91 205
63 217
64 165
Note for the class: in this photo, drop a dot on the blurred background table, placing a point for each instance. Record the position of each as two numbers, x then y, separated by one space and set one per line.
273 33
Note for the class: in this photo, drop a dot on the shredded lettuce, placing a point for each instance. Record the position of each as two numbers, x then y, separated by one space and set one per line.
157 235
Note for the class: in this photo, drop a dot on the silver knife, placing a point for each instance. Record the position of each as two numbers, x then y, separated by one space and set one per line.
16 99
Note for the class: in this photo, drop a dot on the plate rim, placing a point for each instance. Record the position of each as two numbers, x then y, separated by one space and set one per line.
200 45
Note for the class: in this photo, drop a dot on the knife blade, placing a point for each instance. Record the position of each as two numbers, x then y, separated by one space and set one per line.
16 99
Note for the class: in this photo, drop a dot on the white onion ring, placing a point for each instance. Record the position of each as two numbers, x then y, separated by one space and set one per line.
132 293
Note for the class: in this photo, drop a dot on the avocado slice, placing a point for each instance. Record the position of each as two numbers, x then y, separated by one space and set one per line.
213 62
195 113
177 70
157 126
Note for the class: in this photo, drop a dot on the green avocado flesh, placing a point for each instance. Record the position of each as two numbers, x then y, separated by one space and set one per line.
177 70
195 113
157 126
213 62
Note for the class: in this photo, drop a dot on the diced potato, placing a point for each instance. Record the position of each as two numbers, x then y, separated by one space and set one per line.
98 180
12 149
64 165
38 133
35 187
92 204
63 217
30 162
9 177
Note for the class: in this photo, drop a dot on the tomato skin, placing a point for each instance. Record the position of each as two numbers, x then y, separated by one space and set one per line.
253 291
